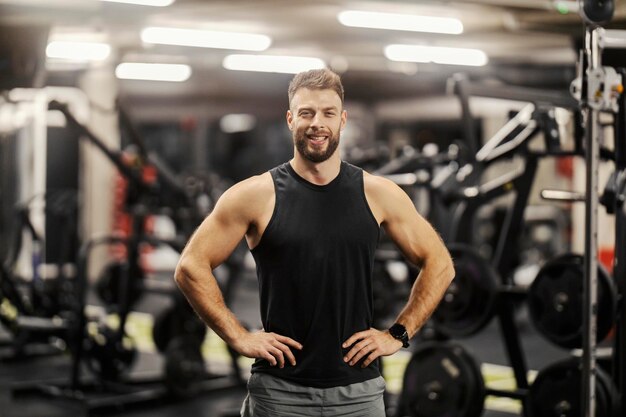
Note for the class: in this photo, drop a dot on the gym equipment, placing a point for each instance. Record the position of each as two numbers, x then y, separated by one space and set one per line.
555 301
39 304
598 89
107 354
392 280
184 366
619 267
595 12
473 88
106 351
110 281
441 380
176 321
556 392
469 302
458 188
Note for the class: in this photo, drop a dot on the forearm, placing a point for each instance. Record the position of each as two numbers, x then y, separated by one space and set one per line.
428 289
203 293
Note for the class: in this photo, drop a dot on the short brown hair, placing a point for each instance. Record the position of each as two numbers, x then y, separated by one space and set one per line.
317 79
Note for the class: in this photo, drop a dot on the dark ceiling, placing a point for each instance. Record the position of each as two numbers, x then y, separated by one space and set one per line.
528 43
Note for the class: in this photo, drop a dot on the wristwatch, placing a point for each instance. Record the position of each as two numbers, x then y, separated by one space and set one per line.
398 331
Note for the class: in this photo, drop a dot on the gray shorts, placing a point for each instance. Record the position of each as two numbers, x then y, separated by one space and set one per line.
269 396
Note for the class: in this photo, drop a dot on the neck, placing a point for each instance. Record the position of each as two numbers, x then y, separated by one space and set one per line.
319 173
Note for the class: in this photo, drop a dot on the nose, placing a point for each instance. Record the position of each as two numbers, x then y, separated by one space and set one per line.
318 121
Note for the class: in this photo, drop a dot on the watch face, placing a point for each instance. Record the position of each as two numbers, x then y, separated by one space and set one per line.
397 331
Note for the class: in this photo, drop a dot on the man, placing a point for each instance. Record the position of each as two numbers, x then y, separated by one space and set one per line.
312 225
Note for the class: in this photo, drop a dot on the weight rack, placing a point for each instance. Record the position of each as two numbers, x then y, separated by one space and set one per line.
597 91
600 90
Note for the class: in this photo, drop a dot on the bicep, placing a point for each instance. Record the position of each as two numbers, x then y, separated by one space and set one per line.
411 232
219 234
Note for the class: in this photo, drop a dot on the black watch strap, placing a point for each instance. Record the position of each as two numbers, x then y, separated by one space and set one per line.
398 331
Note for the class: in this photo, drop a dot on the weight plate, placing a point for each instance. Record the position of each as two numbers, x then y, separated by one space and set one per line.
468 304
184 366
442 380
555 301
110 280
177 321
557 392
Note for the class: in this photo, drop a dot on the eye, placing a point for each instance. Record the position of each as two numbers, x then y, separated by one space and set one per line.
330 114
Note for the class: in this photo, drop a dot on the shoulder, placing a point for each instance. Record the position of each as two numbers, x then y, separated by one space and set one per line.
385 198
380 187
253 187
247 196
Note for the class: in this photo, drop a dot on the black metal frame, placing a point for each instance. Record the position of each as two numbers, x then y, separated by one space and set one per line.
502 260
126 391
521 184
27 326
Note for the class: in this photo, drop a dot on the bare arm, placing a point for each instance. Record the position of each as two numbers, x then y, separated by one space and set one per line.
235 215
419 242
423 247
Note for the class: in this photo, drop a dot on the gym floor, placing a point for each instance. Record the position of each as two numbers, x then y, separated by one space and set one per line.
487 347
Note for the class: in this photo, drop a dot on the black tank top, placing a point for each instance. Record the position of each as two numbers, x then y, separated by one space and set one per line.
314 265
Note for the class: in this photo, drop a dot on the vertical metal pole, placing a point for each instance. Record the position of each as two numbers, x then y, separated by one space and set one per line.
592 139
469 125
40 144
619 266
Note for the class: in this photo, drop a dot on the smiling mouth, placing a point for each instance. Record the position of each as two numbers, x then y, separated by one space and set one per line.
317 139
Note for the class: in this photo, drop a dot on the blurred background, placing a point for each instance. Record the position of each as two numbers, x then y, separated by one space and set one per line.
129 118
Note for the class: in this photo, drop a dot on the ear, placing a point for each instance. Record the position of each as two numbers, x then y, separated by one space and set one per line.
289 118
344 119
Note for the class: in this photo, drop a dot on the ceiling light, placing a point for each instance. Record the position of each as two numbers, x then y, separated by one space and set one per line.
235 123
153 72
78 51
206 38
156 3
272 63
436 54
397 21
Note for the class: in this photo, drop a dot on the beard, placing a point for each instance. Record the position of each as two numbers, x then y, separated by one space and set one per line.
313 154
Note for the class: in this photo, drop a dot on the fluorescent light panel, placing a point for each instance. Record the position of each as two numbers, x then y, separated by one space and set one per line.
397 21
155 3
272 63
206 38
78 51
153 72
436 54
235 123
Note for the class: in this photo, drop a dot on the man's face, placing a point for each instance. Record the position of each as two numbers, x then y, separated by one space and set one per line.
316 118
